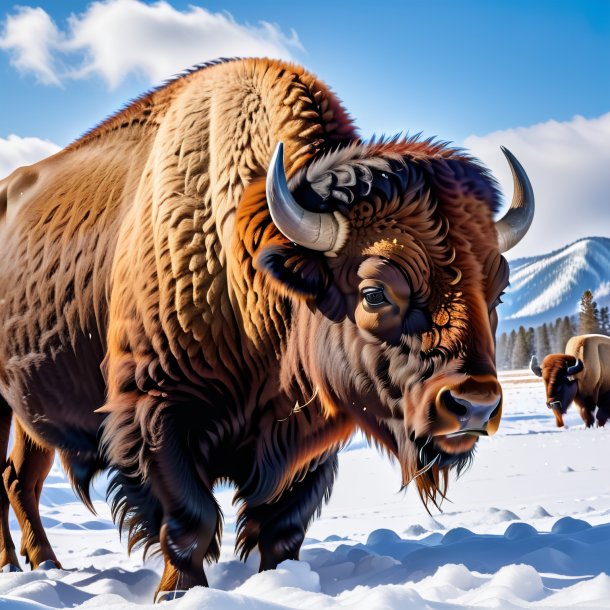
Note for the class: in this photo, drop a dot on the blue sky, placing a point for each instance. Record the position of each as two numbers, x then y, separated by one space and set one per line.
447 68
478 73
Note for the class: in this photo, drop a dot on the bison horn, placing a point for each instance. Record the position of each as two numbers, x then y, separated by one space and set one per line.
324 232
512 227
535 367
575 368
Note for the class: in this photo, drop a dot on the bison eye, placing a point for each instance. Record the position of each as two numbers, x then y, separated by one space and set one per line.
374 296
497 302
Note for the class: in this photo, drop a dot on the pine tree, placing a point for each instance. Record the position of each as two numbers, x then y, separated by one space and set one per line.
604 321
589 316
501 351
556 346
565 333
510 346
543 345
521 353
531 340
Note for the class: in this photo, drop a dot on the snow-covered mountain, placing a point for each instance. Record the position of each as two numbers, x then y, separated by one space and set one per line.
543 288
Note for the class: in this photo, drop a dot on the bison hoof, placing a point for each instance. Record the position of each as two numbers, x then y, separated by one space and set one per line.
168 596
48 564
11 567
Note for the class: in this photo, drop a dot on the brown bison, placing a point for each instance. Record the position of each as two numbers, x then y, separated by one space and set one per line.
183 300
581 375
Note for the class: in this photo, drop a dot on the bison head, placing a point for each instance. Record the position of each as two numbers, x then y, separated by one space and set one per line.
558 372
390 258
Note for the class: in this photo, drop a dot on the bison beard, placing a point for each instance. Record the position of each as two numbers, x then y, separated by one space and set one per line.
183 313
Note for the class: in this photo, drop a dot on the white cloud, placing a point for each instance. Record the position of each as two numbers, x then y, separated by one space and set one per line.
30 36
16 151
114 38
568 164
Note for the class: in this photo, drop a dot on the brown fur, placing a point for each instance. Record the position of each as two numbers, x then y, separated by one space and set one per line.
146 290
590 389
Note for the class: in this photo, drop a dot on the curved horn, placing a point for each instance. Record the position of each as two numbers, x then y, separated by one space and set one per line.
324 232
575 368
512 227
535 367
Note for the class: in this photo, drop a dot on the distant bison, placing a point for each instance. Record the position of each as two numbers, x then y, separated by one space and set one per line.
581 375
222 282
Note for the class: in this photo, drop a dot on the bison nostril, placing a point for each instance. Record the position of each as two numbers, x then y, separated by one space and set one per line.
467 408
457 406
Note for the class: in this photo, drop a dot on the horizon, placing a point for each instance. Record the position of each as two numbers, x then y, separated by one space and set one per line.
514 261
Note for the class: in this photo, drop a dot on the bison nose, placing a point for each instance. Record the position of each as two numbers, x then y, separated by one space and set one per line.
473 406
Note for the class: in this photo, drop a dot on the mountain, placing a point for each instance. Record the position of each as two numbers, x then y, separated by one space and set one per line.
543 288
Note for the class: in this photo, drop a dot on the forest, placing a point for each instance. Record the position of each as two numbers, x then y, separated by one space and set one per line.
515 349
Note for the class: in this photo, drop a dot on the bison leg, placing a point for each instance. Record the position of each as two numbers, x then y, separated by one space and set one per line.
192 521
602 417
8 557
586 406
603 409
24 473
586 416
184 546
161 493
175 581
279 527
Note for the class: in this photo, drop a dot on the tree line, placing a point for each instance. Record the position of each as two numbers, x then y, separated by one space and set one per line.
515 349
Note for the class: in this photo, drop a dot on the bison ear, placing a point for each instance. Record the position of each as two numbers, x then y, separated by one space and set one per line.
293 270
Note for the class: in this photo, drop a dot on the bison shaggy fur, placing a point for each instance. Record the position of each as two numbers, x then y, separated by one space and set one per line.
155 322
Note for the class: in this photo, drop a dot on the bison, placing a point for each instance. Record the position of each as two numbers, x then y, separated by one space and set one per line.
222 282
581 375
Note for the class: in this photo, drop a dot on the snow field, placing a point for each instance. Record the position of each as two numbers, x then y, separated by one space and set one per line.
527 527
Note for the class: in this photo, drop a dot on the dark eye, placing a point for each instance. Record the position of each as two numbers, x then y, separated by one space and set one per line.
374 297
497 301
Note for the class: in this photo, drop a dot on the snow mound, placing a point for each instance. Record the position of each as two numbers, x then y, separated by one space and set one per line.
518 531
415 530
496 515
388 571
291 574
511 583
569 525
536 512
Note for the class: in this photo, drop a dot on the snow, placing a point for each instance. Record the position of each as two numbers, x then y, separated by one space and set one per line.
527 527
